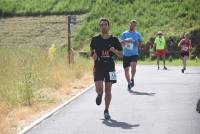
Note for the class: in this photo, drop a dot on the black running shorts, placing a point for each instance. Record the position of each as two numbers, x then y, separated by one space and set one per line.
128 59
105 71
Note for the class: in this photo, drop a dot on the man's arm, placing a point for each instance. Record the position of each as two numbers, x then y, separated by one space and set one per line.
140 43
154 47
179 44
117 48
116 52
140 40
92 50
154 44
94 55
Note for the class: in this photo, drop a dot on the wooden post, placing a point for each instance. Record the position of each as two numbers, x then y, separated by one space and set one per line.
71 21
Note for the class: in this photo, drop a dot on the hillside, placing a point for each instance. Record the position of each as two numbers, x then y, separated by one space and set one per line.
173 17
43 7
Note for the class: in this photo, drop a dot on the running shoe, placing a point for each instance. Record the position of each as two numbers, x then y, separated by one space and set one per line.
183 70
165 68
129 86
132 83
106 115
99 99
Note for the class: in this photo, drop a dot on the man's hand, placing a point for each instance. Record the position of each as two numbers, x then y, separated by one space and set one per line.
124 42
128 40
112 49
94 55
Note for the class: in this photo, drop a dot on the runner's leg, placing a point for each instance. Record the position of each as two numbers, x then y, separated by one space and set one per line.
158 59
164 62
99 90
184 61
133 69
99 87
127 75
108 95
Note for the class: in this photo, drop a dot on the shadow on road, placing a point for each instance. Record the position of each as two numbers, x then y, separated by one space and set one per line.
141 93
114 123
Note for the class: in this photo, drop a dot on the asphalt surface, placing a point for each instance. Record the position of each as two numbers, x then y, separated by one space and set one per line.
162 102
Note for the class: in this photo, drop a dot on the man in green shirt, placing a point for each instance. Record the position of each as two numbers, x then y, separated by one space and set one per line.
160 48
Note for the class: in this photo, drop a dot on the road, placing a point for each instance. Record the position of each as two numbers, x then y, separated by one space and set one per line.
162 102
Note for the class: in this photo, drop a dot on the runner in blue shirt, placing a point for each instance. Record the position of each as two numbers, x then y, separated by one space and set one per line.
130 41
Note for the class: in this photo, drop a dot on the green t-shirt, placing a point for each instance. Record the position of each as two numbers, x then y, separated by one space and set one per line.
160 42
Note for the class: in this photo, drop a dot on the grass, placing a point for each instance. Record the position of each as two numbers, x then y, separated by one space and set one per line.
45 7
175 62
25 73
34 81
172 17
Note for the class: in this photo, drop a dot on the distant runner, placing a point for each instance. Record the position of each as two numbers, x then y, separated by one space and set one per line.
103 48
185 46
160 49
130 41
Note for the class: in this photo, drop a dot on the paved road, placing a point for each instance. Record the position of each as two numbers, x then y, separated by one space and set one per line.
162 102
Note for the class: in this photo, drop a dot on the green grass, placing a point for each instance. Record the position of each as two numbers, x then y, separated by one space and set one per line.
37 7
172 17
24 73
175 62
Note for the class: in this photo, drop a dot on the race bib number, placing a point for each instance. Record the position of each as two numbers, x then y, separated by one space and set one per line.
112 76
129 46
185 48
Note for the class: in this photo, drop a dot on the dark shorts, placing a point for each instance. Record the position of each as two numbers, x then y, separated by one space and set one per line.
128 59
183 54
104 71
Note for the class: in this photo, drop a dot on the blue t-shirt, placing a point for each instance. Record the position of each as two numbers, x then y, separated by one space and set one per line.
131 48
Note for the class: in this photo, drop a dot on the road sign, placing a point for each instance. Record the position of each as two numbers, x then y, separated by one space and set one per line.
73 19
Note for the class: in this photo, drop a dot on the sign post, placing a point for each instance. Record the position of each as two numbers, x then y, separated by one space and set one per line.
71 20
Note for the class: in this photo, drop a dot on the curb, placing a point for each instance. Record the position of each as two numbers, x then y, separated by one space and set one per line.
49 114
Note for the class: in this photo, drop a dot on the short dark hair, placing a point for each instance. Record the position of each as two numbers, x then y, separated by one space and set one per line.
104 19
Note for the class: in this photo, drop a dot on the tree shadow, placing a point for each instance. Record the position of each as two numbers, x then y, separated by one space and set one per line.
114 123
141 93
